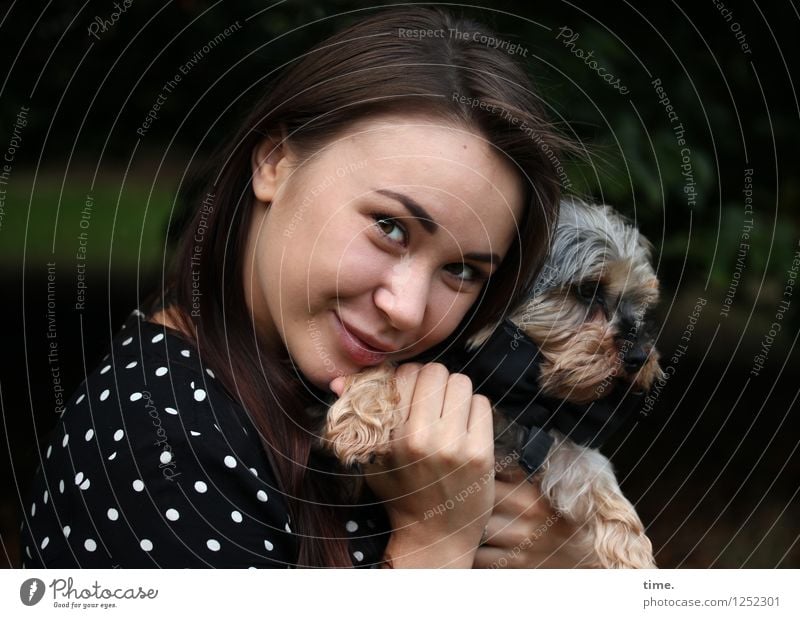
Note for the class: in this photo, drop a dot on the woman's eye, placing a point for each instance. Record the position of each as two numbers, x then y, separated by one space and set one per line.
465 272
390 228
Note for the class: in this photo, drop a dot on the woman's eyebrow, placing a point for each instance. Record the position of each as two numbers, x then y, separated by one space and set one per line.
430 226
489 258
414 209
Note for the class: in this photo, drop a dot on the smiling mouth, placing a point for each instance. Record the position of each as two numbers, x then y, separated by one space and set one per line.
358 350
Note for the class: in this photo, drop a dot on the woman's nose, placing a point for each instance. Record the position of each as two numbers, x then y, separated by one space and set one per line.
403 297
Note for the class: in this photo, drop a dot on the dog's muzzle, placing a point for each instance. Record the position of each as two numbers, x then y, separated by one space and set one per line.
506 368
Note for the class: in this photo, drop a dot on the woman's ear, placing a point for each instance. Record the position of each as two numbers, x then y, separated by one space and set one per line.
269 164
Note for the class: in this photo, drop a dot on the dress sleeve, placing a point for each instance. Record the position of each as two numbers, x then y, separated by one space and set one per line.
164 470
200 490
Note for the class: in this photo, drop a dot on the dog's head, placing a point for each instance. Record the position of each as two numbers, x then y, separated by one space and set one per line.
591 308
590 312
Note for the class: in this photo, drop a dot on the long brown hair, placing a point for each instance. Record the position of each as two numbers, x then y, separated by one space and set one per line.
369 68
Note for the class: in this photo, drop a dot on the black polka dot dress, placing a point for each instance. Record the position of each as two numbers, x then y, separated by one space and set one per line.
153 465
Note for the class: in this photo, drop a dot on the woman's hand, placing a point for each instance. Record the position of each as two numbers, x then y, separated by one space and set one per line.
524 531
437 480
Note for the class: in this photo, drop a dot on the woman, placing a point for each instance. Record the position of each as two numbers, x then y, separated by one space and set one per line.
387 198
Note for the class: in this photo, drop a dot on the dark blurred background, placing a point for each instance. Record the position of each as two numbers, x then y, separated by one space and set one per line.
713 469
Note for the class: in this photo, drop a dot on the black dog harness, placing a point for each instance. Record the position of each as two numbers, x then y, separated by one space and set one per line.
506 368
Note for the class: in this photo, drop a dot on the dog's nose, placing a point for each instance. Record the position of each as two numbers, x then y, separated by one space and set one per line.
634 359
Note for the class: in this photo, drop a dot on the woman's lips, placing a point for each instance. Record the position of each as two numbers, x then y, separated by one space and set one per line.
358 351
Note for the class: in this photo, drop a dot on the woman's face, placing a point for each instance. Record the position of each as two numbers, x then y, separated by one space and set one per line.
377 248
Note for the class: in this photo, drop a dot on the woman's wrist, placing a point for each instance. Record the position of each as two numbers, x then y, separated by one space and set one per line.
416 547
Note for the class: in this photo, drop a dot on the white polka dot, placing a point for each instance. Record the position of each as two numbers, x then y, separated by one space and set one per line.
172 411
112 456
262 495
130 365
254 472
135 396
185 353
212 544
230 461
236 516
209 372
195 433
61 486
199 394
161 371
33 509
268 545
85 485
49 450
351 526
66 531
28 551
287 528
113 514
358 555
138 485
105 369
65 440
79 478
200 487
191 384
146 544
90 545
118 435
80 398
45 496
157 338
166 457
172 514
89 435
45 542
127 341
104 395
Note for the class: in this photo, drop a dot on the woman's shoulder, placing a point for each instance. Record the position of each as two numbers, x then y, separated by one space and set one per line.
168 464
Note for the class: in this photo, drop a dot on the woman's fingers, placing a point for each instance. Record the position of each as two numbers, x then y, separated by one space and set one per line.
405 381
428 398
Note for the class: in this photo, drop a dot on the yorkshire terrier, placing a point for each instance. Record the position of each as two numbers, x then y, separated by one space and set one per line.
565 370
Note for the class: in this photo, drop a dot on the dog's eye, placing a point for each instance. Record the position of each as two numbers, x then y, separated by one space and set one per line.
590 292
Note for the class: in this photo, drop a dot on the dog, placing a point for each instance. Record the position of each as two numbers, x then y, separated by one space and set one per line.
563 372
